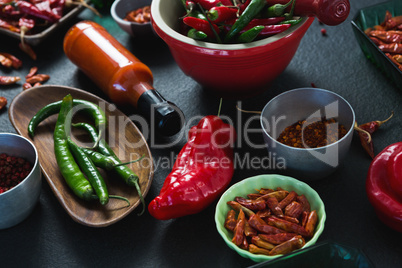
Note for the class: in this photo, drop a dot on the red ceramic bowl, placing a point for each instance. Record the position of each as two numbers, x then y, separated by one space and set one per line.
236 70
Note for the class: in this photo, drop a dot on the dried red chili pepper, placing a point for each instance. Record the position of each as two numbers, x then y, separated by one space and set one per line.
202 171
387 36
32 72
5 25
366 130
288 226
391 48
393 22
230 221
238 232
15 62
24 46
26 86
32 10
256 240
3 102
140 15
6 62
288 246
277 239
37 78
8 80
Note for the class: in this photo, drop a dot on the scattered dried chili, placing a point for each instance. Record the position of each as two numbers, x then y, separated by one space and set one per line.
140 15
366 130
13 170
8 80
312 133
388 37
15 62
3 102
37 78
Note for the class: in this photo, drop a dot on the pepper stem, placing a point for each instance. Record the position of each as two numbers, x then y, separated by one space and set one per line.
357 128
384 121
120 198
126 163
248 112
220 107
218 39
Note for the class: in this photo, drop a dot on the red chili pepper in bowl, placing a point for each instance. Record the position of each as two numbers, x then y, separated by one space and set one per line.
207 4
202 171
381 194
221 13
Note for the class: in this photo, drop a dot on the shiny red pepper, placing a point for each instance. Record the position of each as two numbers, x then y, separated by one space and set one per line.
207 4
202 171
201 25
383 175
221 14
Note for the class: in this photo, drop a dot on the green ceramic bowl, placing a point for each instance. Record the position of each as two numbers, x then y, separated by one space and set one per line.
249 185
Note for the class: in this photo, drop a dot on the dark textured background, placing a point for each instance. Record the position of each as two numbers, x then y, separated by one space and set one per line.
50 238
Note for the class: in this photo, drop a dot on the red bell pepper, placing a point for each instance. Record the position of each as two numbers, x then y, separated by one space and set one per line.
381 178
202 171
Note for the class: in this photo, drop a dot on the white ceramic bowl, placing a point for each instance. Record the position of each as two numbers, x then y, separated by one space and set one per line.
300 104
18 202
272 181
119 10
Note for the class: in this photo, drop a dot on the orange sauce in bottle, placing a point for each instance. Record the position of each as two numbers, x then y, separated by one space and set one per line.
121 75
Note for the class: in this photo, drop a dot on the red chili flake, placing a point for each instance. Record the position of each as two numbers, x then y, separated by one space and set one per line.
13 170
323 32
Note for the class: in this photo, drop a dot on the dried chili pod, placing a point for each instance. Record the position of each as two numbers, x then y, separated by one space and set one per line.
6 62
366 130
3 102
15 62
32 72
38 78
8 80
230 221
288 246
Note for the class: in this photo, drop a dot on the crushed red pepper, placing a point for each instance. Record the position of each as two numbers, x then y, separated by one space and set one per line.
319 133
140 15
13 170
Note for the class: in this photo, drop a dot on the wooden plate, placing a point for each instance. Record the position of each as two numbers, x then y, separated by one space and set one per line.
122 135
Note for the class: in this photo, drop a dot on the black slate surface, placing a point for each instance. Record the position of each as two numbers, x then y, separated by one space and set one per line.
50 238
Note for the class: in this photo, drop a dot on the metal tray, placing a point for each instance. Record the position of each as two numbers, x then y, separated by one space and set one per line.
36 39
369 17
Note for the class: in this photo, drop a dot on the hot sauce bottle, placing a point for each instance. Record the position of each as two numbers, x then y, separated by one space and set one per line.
121 75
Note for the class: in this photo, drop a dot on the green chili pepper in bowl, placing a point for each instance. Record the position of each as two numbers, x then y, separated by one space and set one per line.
248 14
249 35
